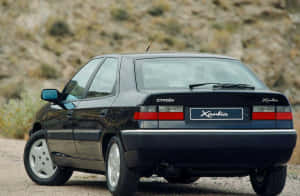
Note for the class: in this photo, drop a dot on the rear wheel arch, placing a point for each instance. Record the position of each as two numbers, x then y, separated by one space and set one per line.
105 142
36 127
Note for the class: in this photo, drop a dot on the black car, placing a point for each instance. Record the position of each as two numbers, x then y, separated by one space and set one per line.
179 116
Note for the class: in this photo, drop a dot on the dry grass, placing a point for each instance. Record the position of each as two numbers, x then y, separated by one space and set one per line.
17 116
11 89
44 71
159 8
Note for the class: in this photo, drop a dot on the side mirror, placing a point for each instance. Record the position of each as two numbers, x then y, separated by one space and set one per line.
50 95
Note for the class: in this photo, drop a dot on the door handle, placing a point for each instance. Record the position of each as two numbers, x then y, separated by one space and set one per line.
103 112
69 114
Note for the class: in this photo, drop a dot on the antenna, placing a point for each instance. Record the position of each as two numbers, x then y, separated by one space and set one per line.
147 49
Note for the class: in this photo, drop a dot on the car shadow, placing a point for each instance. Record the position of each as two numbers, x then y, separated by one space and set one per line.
162 189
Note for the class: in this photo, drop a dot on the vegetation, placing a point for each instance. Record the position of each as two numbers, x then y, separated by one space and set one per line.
296 154
12 90
119 14
59 28
159 8
45 71
16 116
49 72
171 26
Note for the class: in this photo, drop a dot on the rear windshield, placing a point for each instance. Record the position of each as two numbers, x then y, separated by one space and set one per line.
179 73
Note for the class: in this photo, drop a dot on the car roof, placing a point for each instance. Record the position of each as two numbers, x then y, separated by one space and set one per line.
171 54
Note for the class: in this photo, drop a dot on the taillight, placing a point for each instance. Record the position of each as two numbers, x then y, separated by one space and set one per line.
263 113
159 113
146 113
272 113
284 113
170 113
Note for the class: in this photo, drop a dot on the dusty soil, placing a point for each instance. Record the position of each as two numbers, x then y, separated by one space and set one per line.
14 181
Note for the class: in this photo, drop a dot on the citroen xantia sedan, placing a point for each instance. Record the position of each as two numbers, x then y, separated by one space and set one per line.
178 116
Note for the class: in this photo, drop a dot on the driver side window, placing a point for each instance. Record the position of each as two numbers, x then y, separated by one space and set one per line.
105 79
76 87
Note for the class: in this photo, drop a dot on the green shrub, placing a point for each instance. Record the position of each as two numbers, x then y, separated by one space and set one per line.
17 116
159 7
156 11
59 28
12 89
171 26
232 27
117 36
46 71
169 41
119 14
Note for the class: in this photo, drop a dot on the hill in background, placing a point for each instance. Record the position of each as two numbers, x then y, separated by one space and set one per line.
42 43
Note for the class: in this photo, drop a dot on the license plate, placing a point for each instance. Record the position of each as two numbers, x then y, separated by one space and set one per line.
216 113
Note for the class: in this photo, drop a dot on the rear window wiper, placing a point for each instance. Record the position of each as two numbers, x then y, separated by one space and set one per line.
191 86
223 85
234 86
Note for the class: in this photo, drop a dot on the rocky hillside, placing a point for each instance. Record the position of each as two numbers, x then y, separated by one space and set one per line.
42 43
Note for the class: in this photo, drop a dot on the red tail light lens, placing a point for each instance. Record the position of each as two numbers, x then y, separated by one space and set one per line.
145 116
269 113
163 113
263 116
263 113
284 113
170 113
146 113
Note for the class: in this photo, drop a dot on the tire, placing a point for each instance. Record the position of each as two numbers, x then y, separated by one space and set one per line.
182 179
124 184
269 182
38 162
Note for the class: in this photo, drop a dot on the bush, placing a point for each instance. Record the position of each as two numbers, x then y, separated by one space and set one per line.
169 41
159 7
12 89
119 14
44 71
48 72
117 36
59 28
17 116
156 11
172 26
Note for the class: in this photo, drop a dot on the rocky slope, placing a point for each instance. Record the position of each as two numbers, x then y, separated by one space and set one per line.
42 43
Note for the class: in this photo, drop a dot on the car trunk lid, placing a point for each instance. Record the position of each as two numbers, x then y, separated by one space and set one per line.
218 110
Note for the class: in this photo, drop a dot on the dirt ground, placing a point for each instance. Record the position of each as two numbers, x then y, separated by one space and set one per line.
14 181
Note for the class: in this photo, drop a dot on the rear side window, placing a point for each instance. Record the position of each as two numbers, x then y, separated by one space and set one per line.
76 87
179 73
104 81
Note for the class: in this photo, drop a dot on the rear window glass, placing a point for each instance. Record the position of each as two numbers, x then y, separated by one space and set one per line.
179 73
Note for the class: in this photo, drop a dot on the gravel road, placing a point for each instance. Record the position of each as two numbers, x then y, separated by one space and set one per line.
14 181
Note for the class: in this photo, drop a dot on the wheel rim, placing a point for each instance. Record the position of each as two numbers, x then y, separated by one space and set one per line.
40 161
113 166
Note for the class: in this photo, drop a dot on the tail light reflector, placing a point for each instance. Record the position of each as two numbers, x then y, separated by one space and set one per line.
272 113
284 113
170 113
145 116
263 113
163 113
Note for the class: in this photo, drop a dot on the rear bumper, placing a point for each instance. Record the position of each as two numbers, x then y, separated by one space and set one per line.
192 148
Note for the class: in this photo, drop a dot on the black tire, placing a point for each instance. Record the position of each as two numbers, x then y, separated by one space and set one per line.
269 182
128 179
182 179
60 176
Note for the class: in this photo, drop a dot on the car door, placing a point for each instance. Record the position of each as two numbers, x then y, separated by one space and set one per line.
59 123
91 117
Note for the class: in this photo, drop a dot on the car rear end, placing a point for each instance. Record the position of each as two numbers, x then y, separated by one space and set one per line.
211 131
